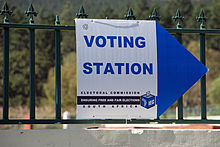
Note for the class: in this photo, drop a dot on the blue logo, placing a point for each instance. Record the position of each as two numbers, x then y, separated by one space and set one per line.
148 100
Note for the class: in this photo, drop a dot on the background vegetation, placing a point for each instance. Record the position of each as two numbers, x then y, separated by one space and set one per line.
45 85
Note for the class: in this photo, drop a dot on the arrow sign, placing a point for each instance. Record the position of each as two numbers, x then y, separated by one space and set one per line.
178 69
130 69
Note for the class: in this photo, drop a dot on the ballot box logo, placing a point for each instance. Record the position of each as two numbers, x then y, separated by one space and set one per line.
147 100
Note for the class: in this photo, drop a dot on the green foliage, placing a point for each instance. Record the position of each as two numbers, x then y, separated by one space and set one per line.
68 83
108 12
45 51
214 91
192 97
215 111
68 37
214 23
166 19
141 9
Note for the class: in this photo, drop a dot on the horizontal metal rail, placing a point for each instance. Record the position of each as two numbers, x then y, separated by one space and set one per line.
37 26
69 27
194 31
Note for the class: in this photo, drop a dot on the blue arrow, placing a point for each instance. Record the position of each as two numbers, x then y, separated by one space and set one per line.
178 70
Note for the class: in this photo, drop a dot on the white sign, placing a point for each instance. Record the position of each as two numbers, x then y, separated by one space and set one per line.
116 65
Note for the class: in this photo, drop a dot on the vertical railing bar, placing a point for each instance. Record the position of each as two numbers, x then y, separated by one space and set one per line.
6 73
203 80
179 18
32 73
180 100
58 74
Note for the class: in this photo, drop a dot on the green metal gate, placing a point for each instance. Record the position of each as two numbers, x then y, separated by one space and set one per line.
57 28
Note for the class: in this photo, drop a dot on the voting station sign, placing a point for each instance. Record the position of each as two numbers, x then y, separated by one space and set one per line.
130 69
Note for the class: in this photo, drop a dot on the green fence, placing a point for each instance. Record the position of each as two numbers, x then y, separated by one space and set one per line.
57 28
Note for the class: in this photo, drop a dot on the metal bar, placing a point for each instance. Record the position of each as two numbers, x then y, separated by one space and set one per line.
203 80
67 27
34 26
58 74
32 73
180 100
197 31
6 73
109 121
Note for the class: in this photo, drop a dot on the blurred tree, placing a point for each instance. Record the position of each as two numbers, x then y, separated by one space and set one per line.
192 97
141 9
152 6
166 17
68 84
107 12
68 42
45 52
214 92
214 23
